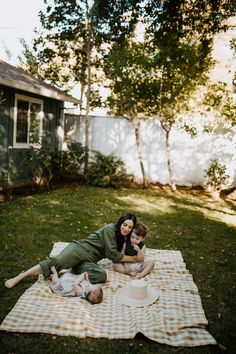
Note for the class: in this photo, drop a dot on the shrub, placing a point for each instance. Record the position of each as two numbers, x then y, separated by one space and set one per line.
45 164
105 171
72 160
217 177
42 164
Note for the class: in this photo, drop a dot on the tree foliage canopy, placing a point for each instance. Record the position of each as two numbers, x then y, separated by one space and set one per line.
154 55
158 73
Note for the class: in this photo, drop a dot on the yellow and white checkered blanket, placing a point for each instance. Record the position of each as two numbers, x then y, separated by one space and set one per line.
176 318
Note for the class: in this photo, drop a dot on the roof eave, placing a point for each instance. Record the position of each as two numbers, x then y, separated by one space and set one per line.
39 91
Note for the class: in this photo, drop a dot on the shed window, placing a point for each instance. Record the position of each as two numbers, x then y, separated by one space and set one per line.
27 121
22 122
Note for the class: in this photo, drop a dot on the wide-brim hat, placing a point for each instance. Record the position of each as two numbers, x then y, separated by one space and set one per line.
137 293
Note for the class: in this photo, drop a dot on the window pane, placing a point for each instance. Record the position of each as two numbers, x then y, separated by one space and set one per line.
22 121
35 109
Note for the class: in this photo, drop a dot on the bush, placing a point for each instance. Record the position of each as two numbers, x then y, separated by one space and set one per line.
45 164
105 171
72 160
42 164
216 175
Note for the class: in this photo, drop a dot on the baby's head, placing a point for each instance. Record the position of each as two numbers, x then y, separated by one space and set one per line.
139 233
95 296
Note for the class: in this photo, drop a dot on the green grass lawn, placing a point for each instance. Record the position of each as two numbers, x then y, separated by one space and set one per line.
201 227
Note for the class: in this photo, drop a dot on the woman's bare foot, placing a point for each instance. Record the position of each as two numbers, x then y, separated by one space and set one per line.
35 270
10 283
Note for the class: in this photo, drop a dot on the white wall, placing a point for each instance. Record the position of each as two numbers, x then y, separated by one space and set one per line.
191 156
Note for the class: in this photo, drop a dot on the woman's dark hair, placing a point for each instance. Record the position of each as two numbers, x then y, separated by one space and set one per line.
119 237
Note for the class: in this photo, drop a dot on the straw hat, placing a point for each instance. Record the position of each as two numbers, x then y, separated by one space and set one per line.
137 294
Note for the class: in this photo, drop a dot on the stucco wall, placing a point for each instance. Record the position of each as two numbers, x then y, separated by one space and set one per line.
190 156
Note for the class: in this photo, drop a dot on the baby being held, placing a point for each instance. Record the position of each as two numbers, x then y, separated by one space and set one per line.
134 246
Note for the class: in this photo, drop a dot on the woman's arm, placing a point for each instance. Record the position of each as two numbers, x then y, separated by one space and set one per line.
133 259
108 242
124 261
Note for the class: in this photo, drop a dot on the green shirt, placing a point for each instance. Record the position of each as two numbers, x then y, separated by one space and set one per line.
101 244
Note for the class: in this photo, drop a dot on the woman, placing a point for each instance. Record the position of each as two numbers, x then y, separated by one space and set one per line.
83 255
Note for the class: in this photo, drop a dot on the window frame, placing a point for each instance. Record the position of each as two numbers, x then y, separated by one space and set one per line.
30 100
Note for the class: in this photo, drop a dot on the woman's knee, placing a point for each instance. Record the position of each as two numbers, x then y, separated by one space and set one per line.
95 273
99 277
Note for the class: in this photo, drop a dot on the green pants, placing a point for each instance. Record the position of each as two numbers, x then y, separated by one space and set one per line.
74 257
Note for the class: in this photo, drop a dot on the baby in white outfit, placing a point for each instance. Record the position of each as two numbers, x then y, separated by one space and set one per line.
69 284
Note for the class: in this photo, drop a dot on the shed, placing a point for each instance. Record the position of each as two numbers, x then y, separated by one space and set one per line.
29 109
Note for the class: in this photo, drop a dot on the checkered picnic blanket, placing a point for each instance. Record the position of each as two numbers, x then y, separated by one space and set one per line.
176 318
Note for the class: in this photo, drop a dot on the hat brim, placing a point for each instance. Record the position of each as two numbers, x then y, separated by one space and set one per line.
124 298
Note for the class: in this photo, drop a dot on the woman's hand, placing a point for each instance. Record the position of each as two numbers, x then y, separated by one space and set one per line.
135 259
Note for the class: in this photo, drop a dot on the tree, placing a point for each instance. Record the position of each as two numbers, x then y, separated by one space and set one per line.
178 39
154 79
182 69
3 171
233 47
64 51
127 69
219 101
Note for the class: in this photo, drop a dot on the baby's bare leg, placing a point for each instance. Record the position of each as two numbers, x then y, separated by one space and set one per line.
55 278
36 270
147 268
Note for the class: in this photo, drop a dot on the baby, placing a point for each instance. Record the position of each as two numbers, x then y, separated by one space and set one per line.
134 246
69 284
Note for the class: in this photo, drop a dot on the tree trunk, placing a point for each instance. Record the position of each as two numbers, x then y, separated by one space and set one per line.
169 162
139 150
81 98
87 121
86 155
